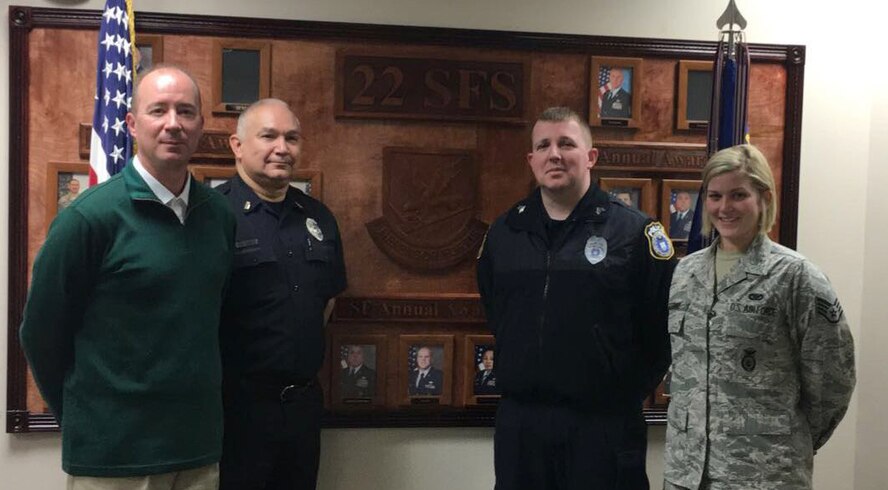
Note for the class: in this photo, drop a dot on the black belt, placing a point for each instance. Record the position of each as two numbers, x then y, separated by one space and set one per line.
282 392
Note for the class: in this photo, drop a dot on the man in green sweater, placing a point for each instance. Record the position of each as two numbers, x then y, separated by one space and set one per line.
121 324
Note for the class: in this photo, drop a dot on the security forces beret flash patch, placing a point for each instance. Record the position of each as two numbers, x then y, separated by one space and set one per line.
748 362
659 244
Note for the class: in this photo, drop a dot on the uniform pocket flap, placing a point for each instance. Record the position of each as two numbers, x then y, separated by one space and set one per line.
676 319
321 252
764 423
678 417
252 256
748 327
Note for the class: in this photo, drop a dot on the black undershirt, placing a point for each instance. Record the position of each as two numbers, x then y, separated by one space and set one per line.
555 230
276 207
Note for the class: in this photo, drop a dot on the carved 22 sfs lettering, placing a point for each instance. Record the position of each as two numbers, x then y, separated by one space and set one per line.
428 87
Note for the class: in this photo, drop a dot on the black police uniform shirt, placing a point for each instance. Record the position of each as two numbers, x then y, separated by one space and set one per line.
288 263
578 308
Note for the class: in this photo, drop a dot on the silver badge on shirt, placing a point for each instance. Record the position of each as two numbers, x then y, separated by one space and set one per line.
596 249
312 226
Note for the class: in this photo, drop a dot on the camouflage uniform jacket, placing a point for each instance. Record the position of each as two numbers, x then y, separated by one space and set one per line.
762 373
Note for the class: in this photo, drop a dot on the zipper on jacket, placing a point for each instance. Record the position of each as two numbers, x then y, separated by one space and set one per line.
188 208
545 299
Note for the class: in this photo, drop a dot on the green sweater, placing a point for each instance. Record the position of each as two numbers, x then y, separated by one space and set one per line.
121 328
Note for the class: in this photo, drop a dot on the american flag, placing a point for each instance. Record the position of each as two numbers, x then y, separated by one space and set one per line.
343 355
604 85
480 349
411 357
111 146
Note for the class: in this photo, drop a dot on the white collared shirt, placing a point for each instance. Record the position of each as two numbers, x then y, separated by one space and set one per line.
420 375
179 204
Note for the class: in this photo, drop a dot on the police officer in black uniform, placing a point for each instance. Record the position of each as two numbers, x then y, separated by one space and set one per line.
575 287
287 268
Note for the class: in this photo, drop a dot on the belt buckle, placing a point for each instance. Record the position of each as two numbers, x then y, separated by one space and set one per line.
285 391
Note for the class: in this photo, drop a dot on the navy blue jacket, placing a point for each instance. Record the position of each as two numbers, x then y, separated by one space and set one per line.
581 321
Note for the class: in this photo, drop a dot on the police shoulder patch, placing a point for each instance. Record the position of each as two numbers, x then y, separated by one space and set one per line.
659 244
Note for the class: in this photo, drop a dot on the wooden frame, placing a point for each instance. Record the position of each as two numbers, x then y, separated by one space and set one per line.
308 181
671 188
471 370
441 359
155 44
645 200
682 96
53 187
24 22
222 107
624 110
340 396
210 173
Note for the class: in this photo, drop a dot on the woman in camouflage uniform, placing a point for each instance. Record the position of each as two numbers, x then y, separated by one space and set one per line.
763 361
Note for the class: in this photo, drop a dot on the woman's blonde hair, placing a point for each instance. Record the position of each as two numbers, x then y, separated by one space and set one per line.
751 163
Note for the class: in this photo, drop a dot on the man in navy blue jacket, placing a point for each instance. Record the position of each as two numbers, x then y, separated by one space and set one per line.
575 287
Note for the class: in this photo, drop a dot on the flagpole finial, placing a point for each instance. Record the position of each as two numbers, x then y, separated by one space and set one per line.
731 17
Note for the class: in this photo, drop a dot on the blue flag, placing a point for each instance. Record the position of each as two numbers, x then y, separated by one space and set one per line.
727 119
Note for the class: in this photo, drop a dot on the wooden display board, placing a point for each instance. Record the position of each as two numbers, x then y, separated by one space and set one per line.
373 100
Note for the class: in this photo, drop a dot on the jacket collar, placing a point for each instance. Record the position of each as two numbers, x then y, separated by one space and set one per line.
530 215
247 201
753 263
139 190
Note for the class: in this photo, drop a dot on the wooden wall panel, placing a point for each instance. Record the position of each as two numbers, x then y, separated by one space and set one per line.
349 152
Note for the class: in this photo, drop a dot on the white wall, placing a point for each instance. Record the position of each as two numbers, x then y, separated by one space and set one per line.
872 429
844 150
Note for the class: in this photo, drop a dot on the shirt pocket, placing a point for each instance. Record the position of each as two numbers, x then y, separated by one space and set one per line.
681 373
319 253
753 354
760 423
677 417
759 446
319 270
677 313
250 253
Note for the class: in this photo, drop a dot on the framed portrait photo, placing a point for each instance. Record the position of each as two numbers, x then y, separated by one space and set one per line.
635 193
615 92
694 97
65 181
241 74
426 369
309 182
212 175
358 371
677 208
480 370
149 51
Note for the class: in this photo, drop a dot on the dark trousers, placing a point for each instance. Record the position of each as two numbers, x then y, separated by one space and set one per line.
270 444
549 447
